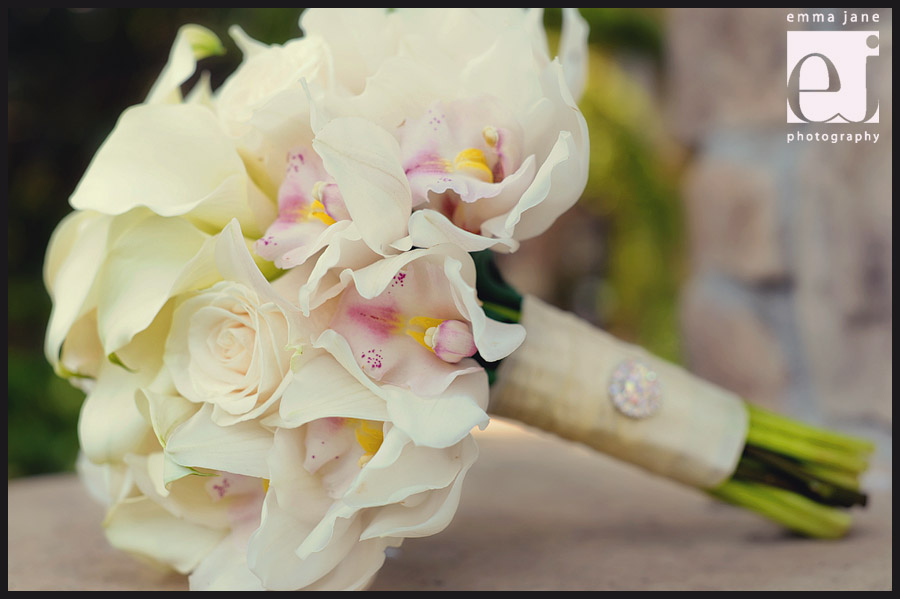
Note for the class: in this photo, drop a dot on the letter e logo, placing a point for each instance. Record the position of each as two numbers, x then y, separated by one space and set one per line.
827 76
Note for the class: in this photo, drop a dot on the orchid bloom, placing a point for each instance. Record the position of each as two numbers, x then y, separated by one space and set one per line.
309 201
407 328
309 500
463 160
414 321
492 140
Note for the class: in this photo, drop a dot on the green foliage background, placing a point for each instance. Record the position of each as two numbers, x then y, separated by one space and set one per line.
71 72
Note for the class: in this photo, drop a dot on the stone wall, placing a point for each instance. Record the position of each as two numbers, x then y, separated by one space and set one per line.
789 297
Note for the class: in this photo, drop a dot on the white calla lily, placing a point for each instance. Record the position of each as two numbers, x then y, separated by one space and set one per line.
76 250
176 160
192 43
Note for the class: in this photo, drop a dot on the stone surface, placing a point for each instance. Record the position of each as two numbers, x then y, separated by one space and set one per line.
733 220
726 67
537 513
797 238
727 343
844 292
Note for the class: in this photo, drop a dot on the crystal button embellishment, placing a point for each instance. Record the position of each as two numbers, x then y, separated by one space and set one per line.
634 389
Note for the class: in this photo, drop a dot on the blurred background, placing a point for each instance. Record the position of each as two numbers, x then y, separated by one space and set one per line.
762 266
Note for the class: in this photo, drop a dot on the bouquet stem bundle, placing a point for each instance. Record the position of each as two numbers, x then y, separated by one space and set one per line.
798 475
802 477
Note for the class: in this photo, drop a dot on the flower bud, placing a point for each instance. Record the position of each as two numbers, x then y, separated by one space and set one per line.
452 341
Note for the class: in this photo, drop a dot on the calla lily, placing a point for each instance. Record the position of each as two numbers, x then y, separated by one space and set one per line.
176 160
192 43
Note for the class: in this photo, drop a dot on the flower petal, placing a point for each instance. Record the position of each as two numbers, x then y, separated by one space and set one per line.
192 43
573 50
110 424
355 56
563 168
438 421
434 512
293 508
74 256
495 340
516 84
401 469
343 249
429 228
142 527
134 284
176 160
364 160
241 448
225 567
322 388
443 420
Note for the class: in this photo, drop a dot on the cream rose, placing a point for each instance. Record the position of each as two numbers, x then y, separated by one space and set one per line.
228 348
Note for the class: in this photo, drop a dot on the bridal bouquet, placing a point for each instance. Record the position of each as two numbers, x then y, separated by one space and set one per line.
279 299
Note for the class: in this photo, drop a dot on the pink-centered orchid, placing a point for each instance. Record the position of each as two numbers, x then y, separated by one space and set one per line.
309 202
492 140
414 321
408 327
309 501
464 161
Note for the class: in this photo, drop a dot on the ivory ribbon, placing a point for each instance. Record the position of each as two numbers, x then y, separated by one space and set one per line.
558 381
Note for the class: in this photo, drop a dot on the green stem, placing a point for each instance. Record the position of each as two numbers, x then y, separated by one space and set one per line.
764 466
760 417
798 474
792 511
802 449
842 478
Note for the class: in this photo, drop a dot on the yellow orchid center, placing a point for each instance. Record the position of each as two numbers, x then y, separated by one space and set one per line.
422 329
369 435
265 485
317 208
472 162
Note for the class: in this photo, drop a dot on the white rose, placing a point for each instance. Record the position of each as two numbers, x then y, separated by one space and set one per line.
229 349
116 327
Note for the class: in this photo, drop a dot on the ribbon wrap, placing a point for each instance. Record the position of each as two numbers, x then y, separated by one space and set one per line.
559 379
